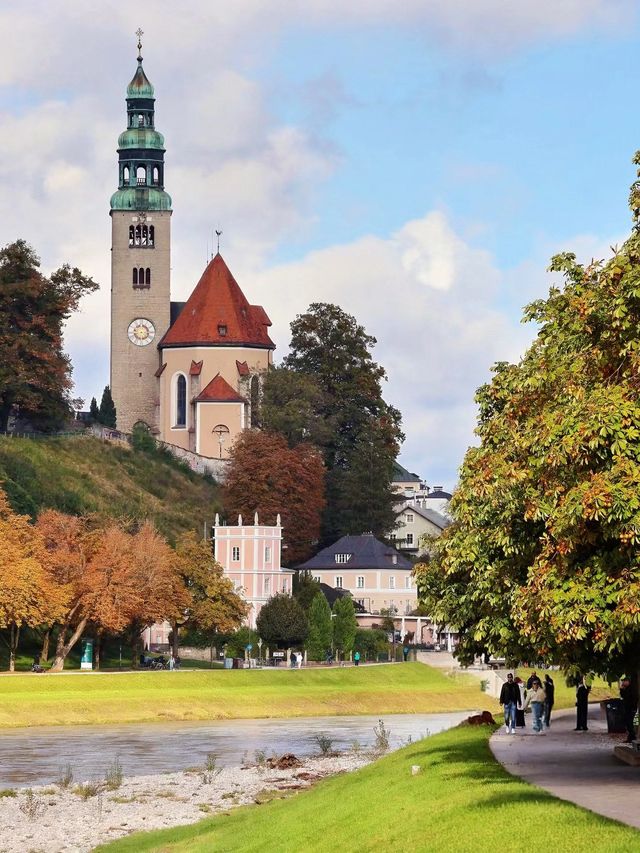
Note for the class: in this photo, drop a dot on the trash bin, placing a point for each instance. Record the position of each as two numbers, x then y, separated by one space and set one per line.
228 663
615 716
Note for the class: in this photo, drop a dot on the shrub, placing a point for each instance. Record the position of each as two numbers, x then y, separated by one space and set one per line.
325 743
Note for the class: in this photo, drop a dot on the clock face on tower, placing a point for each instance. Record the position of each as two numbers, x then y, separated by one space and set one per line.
141 332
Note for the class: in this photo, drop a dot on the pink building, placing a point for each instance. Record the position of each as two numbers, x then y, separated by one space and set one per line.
250 555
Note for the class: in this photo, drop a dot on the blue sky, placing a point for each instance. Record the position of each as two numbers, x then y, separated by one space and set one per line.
417 163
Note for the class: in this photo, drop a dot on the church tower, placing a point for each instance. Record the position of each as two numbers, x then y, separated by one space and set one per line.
140 260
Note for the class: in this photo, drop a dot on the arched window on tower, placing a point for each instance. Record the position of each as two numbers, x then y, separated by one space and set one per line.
147 277
255 401
141 176
140 120
181 401
141 275
135 276
144 235
132 235
152 235
156 175
137 237
125 175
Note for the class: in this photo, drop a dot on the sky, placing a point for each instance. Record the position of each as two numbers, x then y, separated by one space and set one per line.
416 162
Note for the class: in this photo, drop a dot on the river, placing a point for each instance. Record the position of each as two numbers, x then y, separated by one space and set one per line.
37 756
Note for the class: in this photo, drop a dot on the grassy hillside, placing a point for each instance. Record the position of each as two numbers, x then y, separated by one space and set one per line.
86 475
94 699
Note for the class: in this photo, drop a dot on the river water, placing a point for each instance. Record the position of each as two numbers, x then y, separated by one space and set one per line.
37 756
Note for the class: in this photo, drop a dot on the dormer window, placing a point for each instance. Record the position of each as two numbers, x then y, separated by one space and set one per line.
343 558
222 330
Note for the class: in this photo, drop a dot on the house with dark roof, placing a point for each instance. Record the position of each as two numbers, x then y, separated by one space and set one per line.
414 523
377 575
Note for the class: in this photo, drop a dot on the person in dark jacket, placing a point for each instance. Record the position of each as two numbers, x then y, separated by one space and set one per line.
582 704
510 700
630 705
549 689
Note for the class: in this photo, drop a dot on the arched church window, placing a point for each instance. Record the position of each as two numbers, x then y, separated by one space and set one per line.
141 175
144 235
255 401
152 235
141 275
181 401
138 237
135 276
125 175
132 235
147 277
141 120
156 175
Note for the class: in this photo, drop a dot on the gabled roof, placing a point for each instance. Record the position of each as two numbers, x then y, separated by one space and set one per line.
218 314
219 391
196 368
366 551
243 368
401 475
431 515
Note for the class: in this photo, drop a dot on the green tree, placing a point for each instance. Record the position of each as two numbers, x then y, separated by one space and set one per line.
371 642
320 628
543 559
237 643
345 624
35 373
290 405
282 622
305 589
363 432
94 412
107 410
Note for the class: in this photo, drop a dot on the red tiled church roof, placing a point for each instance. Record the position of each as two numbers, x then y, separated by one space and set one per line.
219 391
218 314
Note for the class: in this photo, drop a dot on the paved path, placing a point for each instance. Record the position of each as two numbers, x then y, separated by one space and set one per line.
575 766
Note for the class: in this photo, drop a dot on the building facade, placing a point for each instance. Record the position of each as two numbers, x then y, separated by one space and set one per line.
377 576
250 555
191 372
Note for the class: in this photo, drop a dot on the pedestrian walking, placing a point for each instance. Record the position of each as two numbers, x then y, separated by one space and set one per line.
510 699
520 721
536 698
534 675
583 688
629 698
356 658
172 661
550 691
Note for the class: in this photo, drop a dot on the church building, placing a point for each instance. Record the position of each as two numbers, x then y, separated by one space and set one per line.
190 371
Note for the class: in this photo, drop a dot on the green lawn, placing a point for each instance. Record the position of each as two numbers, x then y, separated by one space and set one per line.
462 802
36 700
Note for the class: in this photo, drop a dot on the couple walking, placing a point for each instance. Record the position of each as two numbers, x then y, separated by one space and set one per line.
536 697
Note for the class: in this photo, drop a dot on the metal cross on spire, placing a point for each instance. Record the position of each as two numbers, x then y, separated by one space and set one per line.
218 234
139 33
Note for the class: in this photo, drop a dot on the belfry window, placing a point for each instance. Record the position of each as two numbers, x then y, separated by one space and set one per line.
141 176
181 401
125 175
152 235
147 277
138 235
135 276
132 235
156 175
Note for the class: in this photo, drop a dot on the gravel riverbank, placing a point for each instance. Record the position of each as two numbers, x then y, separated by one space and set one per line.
49 819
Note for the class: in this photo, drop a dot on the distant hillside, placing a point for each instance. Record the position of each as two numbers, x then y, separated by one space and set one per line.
86 475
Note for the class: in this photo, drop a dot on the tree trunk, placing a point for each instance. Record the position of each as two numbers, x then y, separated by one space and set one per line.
62 648
44 654
96 657
14 636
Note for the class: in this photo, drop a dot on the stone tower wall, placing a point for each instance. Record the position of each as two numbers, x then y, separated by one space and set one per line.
134 386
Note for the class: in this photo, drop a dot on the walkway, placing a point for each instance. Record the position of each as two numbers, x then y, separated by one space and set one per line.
575 766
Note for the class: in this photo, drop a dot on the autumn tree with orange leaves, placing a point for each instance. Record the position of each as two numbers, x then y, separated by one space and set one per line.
27 595
268 477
